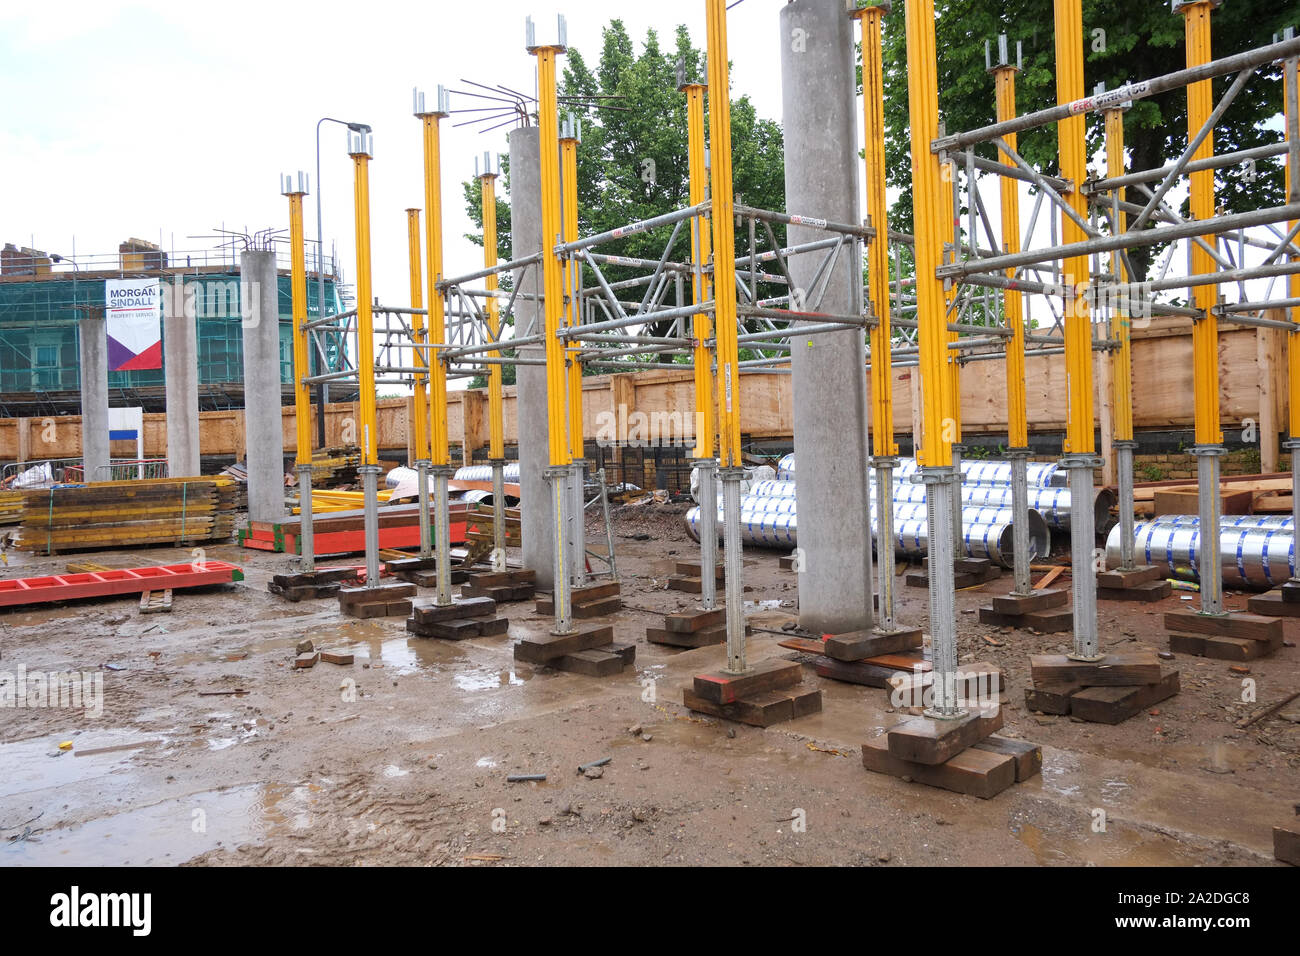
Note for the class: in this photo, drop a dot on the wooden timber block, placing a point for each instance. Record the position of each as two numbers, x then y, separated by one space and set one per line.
1149 591
1222 648
544 648
856 672
336 657
974 772
1051 621
1113 705
1120 578
314 578
156 602
379 594
1290 592
786 562
429 579
1037 601
860 645
690 585
917 579
501 593
406 565
1254 627
721 687
1051 697
1272 604
491 627
400 608
692 569
762 708
594 662
706 637
1028 757
968 579
929 741
455 629
972 565
1186 501
1113 670
1286 844
427 612
303 661
493 579
689 621
585 608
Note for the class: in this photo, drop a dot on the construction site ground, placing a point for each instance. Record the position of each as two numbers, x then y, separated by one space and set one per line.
402 757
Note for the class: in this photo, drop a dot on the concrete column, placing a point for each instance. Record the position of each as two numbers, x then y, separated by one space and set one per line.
263 433
181 372
93 336
535 499
830 399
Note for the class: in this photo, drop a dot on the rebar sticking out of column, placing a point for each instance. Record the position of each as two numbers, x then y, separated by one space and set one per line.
306 534
732 556
943 612
1207 477
561 595
370 490
1083 572
442 533
886 620
426 536
498 515
708 533
1124 465
1020 520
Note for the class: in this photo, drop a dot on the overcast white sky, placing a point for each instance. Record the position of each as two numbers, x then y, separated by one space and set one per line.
165 120
135 118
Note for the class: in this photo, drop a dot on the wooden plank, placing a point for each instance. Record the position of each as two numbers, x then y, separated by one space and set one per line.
1112 670
974 772
929 741
1251 627
1051 697
1040 600
860 645
721 687
1028 757
1286 844
543 648
1112 705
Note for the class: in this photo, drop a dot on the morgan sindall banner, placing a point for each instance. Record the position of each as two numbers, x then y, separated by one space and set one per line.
133 315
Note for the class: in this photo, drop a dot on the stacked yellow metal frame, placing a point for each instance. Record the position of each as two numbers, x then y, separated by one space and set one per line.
421 396
569 181
365 300
440 452
496 421
1004 80
701 329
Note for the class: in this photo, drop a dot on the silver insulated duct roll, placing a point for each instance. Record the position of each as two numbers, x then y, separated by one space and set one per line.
975 471
1252 557
1279 522
1053 503
772 489
509 471
785 468
771 522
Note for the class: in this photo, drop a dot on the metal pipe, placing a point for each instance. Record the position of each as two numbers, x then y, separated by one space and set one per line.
1249 557
732 556
1083 574
708 469
370 490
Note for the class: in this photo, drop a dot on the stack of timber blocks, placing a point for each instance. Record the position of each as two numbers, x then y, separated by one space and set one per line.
323 582
1224 637
1145 583
462 618
689 577
964 755
871 658
967 573
502 586
1282 601
767 693
1046 611
382 600
594 600
1106 691
422 572
587 650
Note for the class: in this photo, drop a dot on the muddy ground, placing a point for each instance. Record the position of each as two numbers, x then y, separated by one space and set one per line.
402 757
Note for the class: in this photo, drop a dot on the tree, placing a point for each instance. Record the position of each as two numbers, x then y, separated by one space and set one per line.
632 159
1123 41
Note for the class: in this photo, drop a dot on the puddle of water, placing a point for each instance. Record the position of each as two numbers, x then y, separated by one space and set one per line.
488 680
28 765
1116 847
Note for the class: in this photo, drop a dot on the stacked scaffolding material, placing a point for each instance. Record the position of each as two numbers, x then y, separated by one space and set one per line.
1252 555
125 514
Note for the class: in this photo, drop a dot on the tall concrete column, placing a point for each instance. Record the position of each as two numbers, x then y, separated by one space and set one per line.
830 398
263 432
181 374
93 338
535 501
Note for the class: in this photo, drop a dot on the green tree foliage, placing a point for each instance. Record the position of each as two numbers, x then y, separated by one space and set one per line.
632 159
1123 41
